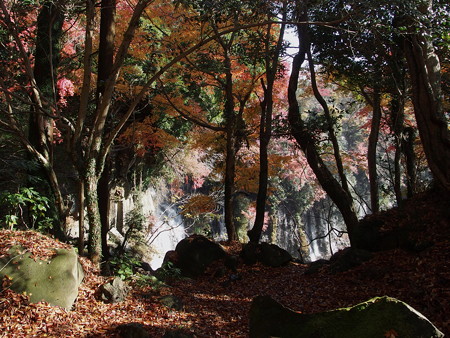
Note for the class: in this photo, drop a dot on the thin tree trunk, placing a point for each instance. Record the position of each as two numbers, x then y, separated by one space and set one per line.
339 196
104 208
265 134
331 130
372 152
397 117
95 239
106 43
409 136
81 217
105 67
255 233
230 160
48 47
96 150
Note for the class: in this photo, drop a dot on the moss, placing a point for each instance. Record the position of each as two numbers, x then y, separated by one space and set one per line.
55 281
373 318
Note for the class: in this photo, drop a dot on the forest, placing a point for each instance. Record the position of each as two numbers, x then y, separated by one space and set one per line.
197 154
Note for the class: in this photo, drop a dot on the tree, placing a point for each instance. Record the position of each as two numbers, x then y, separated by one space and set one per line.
231 66
305 139
424 70
272 65
42 96
105 63
92 159
366 58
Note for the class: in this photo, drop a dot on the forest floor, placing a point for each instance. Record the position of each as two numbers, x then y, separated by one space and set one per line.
217 307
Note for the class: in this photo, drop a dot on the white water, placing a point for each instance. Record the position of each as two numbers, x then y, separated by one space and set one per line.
167 231
166 228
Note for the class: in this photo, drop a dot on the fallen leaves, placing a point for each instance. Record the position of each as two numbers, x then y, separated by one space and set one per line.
213 308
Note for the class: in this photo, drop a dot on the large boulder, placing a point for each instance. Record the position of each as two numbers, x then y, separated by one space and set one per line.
195 253
378 317
55 281
268 254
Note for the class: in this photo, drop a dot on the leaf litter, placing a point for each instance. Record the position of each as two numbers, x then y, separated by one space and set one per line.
217 307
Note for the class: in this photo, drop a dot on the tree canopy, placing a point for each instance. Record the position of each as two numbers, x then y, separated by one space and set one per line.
216 81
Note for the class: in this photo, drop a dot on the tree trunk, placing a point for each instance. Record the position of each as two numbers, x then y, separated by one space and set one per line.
95 239
338 195
81 217
104 207
265 134
48 47
106 44
232 147
397 120
105 67
94 155
409 135
330 127
255 233
372 152
424 70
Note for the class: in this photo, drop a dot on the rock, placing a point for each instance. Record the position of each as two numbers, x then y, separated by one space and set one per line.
232 262
55 281
178 334
375 318
172 302
146 267
268 254
315 266
171 256
132 330
377 234
274 256
251 253
114 292
195 253
348 258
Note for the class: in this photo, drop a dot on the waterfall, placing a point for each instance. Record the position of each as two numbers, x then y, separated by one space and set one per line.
325 229
166 232
308 232
165 224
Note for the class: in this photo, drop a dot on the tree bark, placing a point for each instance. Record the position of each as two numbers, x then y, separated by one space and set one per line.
397 120
81 217
95 239
106 44
103 191
330 122
105 68
99 142
335 191
48 47
231 151
372 151
424 70
265 134
409 135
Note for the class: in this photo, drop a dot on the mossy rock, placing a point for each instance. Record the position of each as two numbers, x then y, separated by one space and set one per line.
55 281
172 302
375 318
